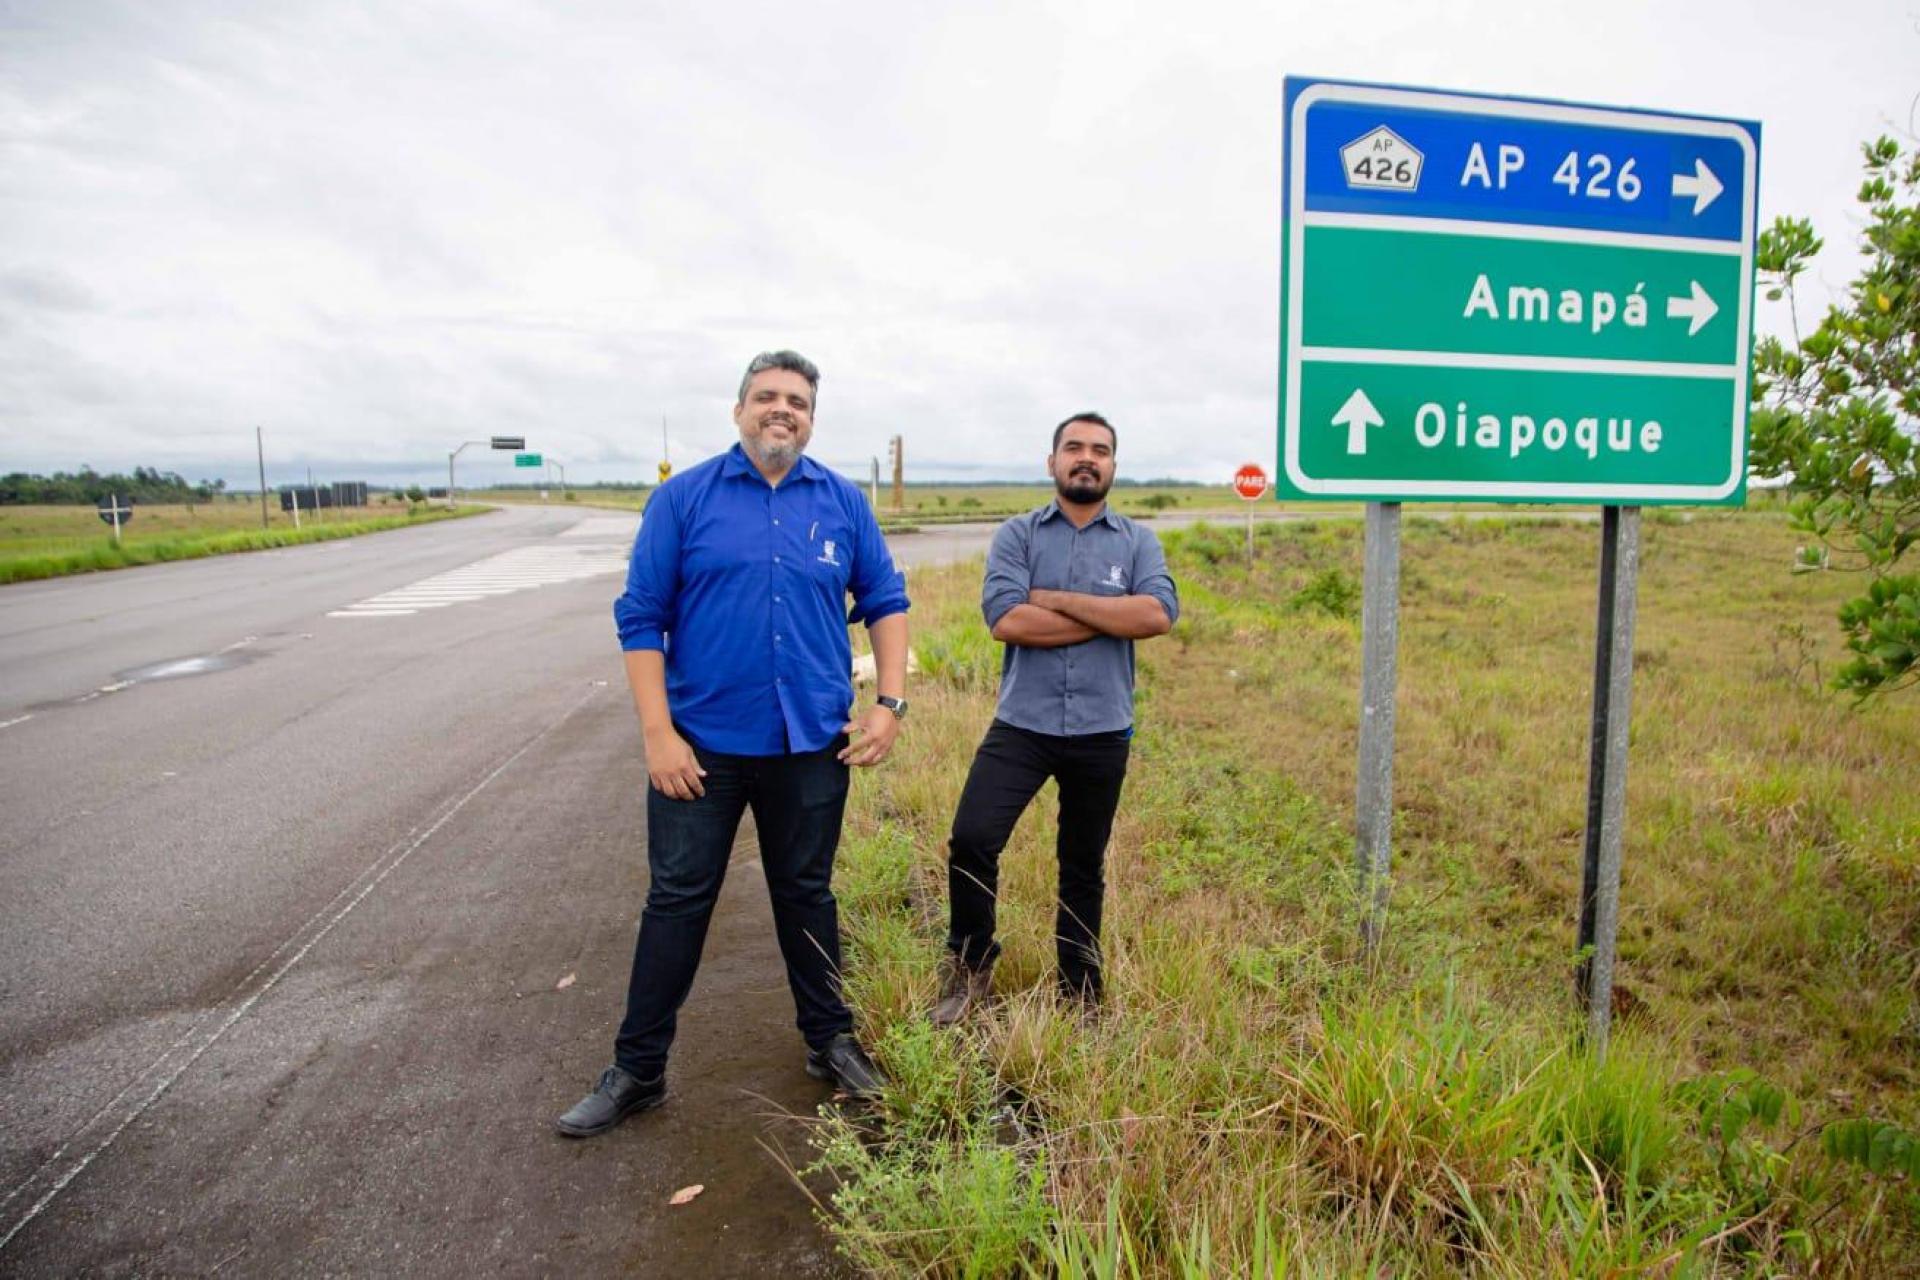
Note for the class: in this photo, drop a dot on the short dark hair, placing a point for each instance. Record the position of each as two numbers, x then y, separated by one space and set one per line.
792 361
1089 416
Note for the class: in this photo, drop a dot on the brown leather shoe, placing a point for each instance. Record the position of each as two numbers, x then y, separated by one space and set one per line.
961 988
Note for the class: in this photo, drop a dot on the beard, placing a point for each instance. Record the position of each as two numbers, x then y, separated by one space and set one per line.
776 457
1082 486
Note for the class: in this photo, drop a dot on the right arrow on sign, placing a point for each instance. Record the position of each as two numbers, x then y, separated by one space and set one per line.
1698 309
1356 415
1700 184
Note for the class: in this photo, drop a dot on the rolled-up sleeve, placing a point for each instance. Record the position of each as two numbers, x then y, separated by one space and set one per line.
1009 575
644 613
879 590
1150 574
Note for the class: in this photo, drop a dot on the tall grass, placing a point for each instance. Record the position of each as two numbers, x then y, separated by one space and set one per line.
1259 1097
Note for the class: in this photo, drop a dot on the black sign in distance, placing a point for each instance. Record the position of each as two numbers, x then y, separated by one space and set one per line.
510 442
114 505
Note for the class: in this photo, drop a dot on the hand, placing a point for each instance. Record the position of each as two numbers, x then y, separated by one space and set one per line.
871 737
1045 598
672 766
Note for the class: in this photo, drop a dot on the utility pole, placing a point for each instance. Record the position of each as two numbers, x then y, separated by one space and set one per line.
873 486
899 450
666 463
260 447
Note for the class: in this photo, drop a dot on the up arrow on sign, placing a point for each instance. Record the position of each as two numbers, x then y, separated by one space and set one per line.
1356 415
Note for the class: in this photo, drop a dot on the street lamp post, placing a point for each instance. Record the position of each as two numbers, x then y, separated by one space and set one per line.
492 442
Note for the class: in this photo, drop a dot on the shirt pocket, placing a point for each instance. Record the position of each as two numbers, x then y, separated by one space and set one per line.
829 556
1110 578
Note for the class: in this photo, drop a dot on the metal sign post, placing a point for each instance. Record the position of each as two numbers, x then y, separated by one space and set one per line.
510 444
1607 766
1379 681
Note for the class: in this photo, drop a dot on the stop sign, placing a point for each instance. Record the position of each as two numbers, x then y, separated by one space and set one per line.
1250 482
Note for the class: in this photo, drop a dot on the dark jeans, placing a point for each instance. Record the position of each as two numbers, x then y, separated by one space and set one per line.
1008 769
797 801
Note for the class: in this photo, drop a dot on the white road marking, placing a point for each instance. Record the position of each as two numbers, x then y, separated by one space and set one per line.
129 1104
8 724
521 569
606 528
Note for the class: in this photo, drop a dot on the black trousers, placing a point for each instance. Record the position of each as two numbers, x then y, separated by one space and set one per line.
797 802
1008 770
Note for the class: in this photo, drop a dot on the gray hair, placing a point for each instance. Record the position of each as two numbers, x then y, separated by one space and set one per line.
792 361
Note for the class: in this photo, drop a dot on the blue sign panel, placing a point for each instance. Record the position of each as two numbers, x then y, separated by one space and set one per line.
1475 164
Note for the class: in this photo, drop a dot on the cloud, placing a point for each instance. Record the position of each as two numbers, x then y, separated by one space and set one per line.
379 231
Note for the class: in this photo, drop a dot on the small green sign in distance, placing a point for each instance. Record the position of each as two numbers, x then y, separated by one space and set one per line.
526 460
1513 300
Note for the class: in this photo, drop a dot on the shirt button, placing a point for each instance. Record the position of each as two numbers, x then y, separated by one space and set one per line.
776 519
776 559
776 637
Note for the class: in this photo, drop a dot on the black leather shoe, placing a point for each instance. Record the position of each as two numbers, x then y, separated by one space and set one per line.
845 1063
618 1095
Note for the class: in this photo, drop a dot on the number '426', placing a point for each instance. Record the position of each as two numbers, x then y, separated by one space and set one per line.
1380 169
1599 181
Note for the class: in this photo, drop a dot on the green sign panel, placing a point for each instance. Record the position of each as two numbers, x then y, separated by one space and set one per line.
526 459
1508 300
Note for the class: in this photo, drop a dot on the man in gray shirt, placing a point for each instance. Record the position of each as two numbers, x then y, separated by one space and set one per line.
1069 588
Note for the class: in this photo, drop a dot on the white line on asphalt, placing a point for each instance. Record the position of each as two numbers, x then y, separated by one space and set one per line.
8 724
242 1000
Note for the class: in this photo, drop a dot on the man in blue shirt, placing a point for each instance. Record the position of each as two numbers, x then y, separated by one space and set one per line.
1068 589
734 623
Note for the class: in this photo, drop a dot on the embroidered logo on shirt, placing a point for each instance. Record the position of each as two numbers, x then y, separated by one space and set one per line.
1114 577
826 554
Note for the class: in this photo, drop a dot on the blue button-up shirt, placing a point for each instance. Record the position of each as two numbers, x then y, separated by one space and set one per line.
744 588
1075 688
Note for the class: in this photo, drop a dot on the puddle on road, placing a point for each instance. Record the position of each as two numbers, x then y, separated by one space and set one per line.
174 669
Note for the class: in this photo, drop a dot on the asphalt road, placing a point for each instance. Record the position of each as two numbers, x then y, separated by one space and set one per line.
321 868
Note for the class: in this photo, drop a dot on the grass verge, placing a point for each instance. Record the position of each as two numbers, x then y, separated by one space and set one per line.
21 562
1259 1097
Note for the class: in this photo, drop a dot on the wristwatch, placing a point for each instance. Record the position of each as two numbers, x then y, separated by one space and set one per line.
896 705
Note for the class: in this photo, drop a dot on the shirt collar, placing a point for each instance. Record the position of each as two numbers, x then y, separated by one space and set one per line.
1106 515
735 462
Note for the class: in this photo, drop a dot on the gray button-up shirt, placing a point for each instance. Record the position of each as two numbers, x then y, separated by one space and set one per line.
1076 688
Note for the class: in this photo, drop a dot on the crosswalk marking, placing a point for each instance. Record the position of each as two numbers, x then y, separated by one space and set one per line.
521 569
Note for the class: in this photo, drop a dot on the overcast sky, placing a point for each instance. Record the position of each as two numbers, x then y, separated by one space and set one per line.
378 230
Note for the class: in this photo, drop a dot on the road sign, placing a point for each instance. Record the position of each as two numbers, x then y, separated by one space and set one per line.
1513 300
526 459
1250 482
509 442
115 510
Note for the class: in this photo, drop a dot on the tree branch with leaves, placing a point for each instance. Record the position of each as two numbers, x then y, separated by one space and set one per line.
1838 412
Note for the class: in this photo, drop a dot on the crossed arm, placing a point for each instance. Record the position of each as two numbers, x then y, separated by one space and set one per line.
1049 619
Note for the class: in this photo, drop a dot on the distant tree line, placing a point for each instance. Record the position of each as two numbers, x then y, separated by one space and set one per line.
146 484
